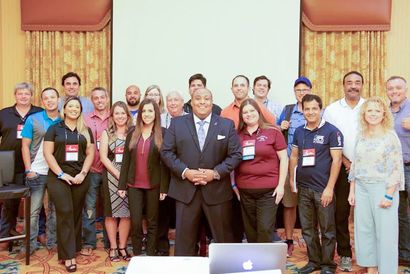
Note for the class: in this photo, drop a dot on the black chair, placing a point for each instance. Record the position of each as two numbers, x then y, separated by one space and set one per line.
9 190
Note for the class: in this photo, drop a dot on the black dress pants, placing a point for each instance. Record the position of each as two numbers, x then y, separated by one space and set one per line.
342 212
259 214
69 203
147 199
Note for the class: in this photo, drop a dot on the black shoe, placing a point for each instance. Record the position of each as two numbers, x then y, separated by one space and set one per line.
309 268
71 267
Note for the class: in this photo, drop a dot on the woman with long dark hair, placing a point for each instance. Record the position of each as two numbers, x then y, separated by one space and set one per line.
143 175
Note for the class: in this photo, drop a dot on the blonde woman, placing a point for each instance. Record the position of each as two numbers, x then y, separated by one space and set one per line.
376 176
115 207
69 152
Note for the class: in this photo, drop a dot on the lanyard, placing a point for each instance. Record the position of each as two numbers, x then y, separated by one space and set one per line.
66 137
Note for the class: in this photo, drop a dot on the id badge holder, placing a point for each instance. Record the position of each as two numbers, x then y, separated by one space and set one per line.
119 152
308 158
19 130
248 150
71 153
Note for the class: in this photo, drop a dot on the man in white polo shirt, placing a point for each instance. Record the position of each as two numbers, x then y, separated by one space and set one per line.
344 114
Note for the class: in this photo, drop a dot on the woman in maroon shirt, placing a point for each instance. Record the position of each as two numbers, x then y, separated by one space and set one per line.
260 177
144 175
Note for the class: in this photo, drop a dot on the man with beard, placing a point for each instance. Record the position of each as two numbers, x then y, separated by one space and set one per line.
133 96
344 114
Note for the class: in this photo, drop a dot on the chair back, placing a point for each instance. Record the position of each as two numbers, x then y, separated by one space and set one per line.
7 162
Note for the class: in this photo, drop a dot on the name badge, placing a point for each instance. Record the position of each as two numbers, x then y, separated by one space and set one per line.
98 145
308 157
71 153
19 130
119 152
248 150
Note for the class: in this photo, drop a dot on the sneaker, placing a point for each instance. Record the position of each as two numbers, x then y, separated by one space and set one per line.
345 264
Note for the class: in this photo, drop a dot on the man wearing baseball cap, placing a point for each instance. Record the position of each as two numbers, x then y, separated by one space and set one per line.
290 119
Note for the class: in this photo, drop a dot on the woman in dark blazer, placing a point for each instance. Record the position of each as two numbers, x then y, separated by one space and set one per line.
143 175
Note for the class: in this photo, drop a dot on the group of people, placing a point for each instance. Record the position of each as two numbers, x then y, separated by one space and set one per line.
216 172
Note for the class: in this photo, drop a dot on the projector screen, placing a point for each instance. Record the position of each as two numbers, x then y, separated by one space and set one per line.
165 42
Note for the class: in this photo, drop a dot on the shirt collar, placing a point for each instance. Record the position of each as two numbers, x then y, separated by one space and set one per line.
94 115
322 122
401 105
207 119
344 104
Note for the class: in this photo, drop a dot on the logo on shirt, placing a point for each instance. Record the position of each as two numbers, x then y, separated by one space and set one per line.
262 138
339 139
319 139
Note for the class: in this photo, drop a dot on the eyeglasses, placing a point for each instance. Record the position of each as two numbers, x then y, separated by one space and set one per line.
154 95
306 90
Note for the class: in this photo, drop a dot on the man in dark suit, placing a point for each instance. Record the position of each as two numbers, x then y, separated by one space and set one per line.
201 149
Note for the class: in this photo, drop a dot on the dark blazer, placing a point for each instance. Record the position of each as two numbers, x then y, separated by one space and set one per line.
221 152
158 173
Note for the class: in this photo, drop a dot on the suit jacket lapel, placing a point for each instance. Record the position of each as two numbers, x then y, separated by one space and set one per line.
211 131
192 129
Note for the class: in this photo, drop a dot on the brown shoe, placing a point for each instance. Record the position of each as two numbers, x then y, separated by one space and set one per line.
86 251
42 239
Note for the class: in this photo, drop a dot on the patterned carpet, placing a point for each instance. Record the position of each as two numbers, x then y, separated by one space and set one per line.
43 261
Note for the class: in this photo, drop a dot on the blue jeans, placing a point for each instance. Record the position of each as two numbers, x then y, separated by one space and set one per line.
404 218
37 187
89 212
9 210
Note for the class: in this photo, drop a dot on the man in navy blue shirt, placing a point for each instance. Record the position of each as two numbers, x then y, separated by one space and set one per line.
316 156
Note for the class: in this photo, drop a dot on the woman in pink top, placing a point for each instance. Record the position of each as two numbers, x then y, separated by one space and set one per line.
260 177
143 175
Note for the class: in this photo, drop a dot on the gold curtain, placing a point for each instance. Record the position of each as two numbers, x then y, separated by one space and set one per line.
51 54
327 56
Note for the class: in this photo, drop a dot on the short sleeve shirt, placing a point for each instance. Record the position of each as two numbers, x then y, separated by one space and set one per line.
34 129
323 139
9 120
62 135
262 172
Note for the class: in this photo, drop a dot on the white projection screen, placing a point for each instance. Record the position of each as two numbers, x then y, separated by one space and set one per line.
164 42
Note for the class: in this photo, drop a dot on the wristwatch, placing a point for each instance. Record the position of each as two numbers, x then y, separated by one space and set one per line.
216 175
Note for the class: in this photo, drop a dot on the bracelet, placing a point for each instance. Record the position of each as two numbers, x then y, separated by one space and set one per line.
61 174
390 198
27 171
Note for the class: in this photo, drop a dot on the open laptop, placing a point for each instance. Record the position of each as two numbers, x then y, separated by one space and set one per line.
247 257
